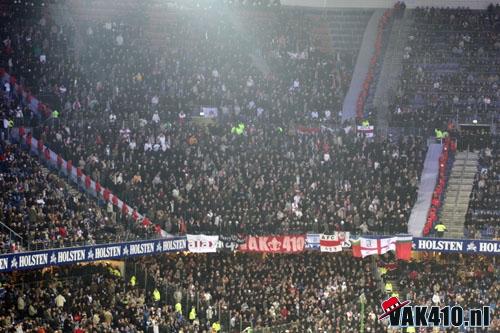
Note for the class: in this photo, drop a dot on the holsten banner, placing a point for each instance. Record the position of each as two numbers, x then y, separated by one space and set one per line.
470 246
56 257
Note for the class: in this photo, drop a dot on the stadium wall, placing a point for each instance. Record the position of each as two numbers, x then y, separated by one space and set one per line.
473 4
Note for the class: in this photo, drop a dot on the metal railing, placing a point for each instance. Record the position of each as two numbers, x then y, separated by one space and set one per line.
14 237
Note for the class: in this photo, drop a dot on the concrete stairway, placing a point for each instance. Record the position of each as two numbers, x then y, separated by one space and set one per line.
366 51
347 27
391 69
321 34
69 188
458 192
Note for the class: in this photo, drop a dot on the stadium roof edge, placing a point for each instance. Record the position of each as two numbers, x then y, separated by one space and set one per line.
372 4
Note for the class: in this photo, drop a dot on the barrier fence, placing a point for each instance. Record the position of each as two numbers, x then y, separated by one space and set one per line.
260 244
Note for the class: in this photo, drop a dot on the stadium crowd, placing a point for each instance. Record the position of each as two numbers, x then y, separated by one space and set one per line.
229 191
483 216
470 281
232 290
450 68
276 289
199 292
277 160
39 208
120 124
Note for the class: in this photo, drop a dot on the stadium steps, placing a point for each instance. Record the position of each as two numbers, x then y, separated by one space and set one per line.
71 190
347 27
339 29
321 35
458 190
391 70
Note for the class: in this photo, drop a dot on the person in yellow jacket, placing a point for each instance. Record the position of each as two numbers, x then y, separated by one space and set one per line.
440 228
216 327
111 270
133 281
178 308
388 287
410 329
115 272
192 314
156 295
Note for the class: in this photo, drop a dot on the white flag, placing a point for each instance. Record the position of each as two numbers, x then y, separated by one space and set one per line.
371 246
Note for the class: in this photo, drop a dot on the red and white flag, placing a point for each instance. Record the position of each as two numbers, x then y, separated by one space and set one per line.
333 243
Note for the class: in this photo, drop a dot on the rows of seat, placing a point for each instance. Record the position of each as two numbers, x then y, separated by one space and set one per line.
450 68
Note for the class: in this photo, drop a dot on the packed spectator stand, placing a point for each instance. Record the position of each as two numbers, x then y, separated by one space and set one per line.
469 281
238 291
483 217
160 293
39 208
276 161
119 128
450 68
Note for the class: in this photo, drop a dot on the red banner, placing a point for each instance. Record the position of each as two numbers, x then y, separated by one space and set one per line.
274 244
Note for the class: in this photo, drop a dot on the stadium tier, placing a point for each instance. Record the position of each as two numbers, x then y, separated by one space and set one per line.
40 210
249 166
450 70
483 215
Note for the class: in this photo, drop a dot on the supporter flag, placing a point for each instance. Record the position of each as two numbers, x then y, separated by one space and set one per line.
59 160
356 248
146 222
364 246
369 246
313 241
332 243
87 181
124 209
404 247
97 187
106 194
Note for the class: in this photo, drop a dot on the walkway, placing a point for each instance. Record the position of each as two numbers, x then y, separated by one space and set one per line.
426 187
362 65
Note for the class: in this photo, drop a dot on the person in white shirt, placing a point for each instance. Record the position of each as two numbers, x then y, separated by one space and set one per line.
162 140
148 146
155 100
328 114
132 145
156 118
